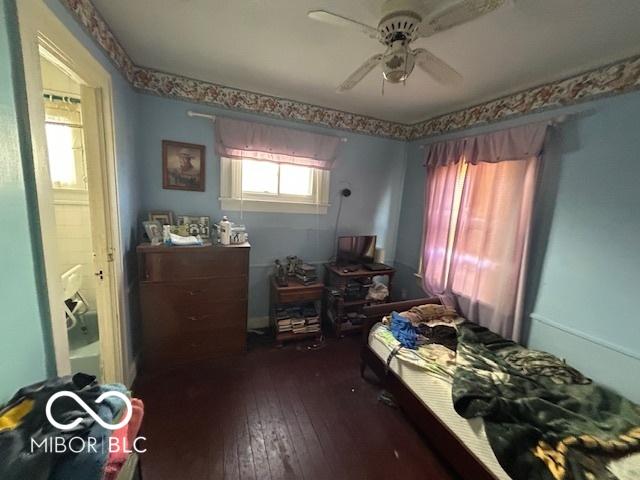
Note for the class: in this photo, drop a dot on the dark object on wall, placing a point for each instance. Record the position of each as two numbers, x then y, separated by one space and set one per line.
193 301
345 192
440 437
182 166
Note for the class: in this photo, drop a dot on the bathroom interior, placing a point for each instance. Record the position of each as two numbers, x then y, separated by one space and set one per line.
68 170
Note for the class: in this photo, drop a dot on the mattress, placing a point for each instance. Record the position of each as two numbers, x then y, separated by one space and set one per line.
435 393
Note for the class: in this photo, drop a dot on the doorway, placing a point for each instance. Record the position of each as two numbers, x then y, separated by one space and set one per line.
65 135
70 115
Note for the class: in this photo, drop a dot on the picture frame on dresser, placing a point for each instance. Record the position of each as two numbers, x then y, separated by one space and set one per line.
165 217
196 224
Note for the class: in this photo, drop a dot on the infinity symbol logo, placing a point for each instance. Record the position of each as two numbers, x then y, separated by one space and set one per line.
87 409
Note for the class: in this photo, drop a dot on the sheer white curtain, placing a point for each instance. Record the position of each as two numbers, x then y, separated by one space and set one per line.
480 195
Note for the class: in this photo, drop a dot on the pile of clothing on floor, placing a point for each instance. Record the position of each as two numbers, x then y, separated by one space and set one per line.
32 447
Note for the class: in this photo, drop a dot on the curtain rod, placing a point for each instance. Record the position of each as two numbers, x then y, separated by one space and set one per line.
191 113
554 120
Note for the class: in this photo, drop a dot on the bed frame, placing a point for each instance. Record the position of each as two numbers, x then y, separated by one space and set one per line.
440 437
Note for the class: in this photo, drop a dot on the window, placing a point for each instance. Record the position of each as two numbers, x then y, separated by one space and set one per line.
262 186
63 128
481 224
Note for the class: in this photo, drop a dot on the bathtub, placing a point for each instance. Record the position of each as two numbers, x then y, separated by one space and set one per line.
84 347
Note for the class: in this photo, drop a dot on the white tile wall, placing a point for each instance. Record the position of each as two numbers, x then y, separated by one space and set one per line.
73 225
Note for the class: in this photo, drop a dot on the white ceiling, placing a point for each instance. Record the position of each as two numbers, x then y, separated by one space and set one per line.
271 47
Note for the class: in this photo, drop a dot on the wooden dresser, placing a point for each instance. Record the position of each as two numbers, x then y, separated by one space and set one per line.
193 301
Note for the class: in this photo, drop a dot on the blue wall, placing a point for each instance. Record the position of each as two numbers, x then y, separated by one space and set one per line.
585 257
24 357
372 167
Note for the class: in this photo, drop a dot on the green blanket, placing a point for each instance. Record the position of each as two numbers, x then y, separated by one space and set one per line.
543 421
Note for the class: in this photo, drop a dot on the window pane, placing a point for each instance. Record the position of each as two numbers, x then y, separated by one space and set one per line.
259 177
295 180
62 163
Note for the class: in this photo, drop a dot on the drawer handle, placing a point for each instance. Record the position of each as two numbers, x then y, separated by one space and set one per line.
193 319
194 292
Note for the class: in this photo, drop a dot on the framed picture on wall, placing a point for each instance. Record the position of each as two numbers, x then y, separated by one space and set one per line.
182 166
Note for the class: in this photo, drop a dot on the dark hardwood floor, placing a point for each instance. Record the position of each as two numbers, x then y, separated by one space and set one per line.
288 413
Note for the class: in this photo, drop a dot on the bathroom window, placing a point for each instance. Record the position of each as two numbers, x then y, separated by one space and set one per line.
63 127
261 186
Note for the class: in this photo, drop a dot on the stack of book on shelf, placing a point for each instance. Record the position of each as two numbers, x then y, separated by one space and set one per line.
298 319
306 273
312 318
284 320
298 325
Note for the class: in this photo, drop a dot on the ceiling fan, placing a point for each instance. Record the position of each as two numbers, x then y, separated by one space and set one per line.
402 22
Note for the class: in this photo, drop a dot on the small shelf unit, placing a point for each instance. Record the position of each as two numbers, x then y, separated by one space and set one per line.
338 305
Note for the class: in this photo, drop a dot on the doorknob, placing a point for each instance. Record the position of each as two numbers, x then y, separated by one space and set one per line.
100 275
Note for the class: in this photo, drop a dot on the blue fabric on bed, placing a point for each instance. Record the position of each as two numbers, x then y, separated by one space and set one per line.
403 331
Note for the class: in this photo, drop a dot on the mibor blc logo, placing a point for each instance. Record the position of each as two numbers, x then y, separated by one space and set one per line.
89 444
86 408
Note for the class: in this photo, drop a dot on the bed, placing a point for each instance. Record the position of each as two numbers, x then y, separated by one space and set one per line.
426 400
544 418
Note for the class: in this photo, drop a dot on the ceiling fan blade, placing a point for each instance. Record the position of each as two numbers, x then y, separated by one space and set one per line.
439 70
335 19
360 73
460 12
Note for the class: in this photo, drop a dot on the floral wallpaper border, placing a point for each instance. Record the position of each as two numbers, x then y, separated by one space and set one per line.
613 79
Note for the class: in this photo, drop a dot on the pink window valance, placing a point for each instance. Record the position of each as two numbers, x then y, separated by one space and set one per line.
518 143
240 139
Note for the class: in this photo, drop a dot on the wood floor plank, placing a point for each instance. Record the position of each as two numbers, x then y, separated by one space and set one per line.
288 413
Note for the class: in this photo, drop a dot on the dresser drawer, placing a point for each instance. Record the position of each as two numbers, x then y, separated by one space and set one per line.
209 290
194 263
165 319
300 295
189 348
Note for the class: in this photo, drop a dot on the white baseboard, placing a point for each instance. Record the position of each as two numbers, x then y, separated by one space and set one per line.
258 322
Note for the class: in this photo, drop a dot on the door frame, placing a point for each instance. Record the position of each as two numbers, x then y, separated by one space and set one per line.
42 32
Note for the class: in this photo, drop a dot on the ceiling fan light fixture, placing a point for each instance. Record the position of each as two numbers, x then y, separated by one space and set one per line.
395 76
397 64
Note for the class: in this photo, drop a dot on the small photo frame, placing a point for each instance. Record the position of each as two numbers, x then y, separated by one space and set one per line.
164 217
196 224
153 229
182 166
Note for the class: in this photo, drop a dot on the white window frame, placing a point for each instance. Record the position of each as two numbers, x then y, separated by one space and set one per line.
233 198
